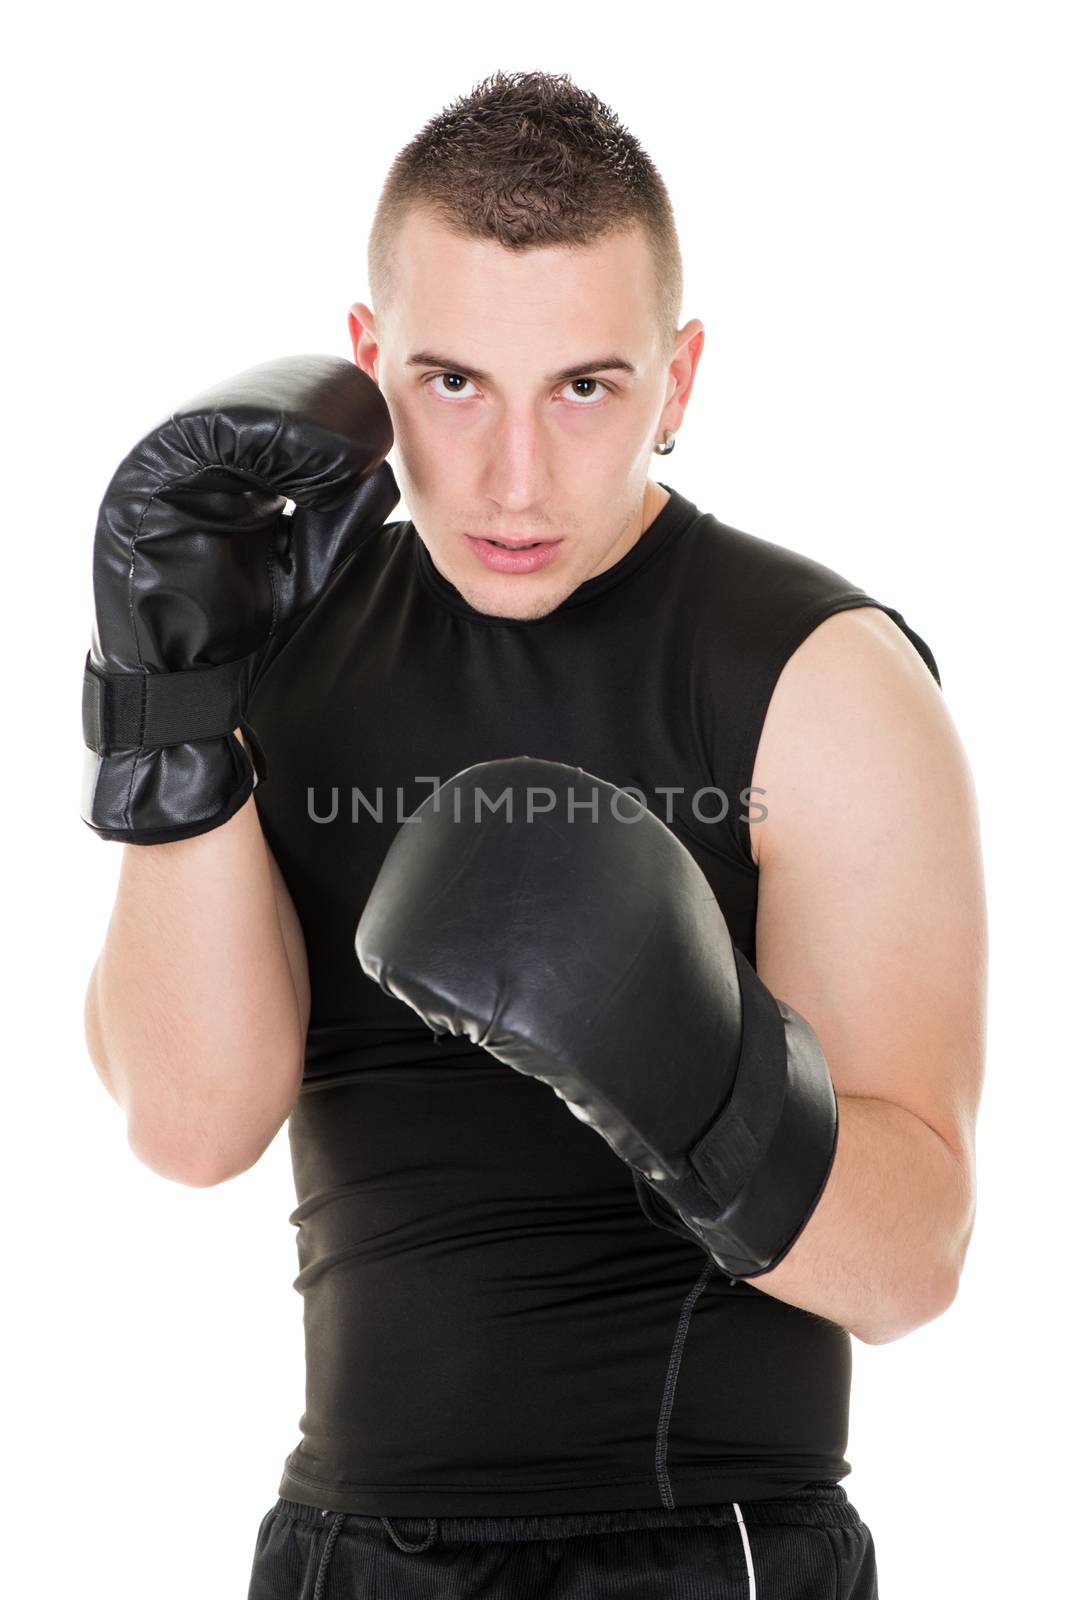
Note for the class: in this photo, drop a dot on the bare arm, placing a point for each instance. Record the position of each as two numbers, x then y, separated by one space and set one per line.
872 924
196 1012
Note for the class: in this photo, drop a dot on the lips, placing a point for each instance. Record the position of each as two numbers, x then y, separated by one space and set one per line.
513 556
515 544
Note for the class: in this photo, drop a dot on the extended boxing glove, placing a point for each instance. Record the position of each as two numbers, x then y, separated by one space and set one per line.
197 565
552 919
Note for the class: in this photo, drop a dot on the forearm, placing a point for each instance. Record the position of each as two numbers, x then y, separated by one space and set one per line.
191 1017
882 1251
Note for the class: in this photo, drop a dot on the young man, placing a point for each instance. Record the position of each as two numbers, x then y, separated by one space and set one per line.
526 1367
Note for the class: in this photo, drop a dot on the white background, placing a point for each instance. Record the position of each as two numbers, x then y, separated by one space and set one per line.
870 202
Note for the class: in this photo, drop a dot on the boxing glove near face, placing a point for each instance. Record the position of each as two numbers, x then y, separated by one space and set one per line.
552 919
197 565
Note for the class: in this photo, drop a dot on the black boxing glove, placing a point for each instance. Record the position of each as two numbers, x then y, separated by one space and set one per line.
197 565
577 940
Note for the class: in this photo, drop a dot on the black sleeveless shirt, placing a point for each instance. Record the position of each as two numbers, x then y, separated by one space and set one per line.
492 1323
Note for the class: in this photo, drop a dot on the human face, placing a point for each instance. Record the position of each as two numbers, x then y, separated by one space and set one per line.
526 389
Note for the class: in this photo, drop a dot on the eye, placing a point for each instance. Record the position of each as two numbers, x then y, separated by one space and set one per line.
456 377
456 384
586 398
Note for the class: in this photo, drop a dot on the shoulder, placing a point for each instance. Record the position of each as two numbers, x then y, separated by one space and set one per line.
856 711
754 601
863 639
749 566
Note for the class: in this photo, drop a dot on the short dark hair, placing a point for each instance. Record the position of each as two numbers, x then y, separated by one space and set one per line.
526 160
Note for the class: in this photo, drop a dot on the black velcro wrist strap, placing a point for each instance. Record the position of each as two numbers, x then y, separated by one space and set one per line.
148 710
737 1140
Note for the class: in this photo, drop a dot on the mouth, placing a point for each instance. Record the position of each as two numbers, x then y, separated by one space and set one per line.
515 544
513 555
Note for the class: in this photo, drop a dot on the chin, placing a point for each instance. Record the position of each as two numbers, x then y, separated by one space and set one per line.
514 598
519 598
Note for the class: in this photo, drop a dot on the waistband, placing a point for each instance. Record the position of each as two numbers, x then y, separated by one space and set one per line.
814 1505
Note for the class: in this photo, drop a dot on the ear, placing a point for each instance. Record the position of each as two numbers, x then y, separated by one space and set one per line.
363 333
682 371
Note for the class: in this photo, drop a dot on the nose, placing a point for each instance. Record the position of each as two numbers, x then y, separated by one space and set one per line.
518 465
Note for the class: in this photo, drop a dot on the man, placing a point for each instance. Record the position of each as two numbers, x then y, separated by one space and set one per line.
526 1374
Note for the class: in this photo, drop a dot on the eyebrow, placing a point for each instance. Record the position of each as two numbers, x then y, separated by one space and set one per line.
428 358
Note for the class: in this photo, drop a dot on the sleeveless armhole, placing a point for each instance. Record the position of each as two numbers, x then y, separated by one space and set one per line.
756 708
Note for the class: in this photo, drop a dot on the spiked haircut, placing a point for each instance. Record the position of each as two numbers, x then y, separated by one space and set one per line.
527 160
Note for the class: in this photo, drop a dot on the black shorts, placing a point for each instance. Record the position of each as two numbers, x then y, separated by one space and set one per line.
809 1546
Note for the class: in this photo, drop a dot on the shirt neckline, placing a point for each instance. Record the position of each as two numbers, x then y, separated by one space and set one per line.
668 521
